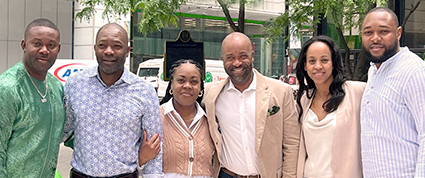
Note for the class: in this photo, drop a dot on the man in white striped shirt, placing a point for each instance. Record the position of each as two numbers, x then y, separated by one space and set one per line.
393 104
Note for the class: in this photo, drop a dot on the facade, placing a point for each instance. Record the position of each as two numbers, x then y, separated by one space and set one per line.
15 16
203 19
414 30
206 22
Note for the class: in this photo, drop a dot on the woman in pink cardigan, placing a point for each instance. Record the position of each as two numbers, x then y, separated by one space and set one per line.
329 108
188 149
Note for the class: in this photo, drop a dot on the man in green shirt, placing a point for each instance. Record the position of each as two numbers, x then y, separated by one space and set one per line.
31 107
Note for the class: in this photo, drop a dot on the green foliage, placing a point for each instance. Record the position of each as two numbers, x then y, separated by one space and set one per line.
346 14
156 13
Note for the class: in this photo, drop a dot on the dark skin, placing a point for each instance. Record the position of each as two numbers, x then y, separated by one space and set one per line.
111 50
237 55
149 149
41 47
186 87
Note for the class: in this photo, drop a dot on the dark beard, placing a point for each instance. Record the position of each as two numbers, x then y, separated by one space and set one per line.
389 52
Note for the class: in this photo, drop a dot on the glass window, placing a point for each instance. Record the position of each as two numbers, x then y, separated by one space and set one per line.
148 72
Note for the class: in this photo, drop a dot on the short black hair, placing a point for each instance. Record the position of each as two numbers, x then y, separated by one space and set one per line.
113 25
41 22
385 9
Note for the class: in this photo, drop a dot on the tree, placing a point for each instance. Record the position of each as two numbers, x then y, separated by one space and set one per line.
346 14
153 19
156 13
413 9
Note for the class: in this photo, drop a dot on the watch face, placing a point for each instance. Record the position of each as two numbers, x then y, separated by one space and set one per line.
184 36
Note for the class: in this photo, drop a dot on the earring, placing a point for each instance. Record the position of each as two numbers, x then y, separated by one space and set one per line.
170 91
200 93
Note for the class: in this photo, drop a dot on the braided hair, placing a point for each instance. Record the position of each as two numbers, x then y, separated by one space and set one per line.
173 68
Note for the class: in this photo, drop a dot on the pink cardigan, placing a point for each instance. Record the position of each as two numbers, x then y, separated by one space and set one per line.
346 155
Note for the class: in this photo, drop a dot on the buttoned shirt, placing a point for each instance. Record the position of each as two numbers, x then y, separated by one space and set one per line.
107 122
235 112
393 118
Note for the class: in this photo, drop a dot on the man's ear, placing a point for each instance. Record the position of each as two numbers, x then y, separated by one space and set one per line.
399 31
128 51
24 45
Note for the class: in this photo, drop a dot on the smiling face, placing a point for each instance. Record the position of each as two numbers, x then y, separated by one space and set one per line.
319 64
111 50
237 57
41 48
380 36
186 84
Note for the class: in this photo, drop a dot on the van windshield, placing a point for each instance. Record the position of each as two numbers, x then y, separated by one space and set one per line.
145 72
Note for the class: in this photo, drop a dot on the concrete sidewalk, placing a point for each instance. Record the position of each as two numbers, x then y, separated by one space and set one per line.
64 160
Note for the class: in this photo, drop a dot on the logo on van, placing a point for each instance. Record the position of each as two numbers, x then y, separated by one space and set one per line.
63 72
208 77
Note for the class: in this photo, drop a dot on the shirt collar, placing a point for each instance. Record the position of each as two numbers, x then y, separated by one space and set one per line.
252 86
168 107
390 60
125 77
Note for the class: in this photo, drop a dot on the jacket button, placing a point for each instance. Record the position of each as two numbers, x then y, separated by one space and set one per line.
191 159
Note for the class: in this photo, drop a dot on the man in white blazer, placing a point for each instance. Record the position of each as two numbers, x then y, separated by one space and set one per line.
252 118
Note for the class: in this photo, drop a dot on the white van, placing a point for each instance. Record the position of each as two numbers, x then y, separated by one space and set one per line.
214 71
148 71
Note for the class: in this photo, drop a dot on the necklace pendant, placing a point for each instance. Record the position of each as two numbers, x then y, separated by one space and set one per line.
44 100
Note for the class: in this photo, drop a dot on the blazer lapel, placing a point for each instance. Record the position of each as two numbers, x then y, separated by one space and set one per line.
209 103
262 102
212 95
305 103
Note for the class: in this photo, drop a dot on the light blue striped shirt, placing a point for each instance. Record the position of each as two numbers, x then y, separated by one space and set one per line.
393 118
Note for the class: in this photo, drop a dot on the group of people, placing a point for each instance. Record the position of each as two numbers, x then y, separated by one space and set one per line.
245 126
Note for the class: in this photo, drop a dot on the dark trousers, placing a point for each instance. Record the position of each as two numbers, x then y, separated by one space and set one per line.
224 173
76 174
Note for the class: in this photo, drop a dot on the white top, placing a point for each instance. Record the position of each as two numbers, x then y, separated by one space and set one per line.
168 107
235 112
319 138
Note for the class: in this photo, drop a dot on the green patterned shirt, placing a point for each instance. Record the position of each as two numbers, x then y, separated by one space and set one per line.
30 129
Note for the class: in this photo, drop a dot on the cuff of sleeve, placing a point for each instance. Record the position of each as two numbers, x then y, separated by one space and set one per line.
140 168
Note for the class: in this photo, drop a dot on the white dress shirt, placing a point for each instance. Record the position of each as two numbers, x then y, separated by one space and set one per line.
235 112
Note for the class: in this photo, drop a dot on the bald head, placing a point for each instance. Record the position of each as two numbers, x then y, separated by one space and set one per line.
114 26
236 36
238 58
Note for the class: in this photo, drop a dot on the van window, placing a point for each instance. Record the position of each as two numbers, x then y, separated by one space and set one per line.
144 72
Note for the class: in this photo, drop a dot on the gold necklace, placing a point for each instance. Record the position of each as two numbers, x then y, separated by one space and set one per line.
43 97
